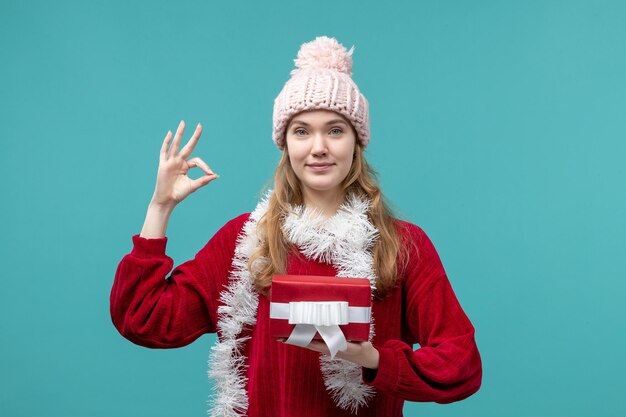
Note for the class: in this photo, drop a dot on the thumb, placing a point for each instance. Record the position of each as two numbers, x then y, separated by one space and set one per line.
202 181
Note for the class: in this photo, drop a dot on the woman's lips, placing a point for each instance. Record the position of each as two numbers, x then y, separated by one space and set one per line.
319 167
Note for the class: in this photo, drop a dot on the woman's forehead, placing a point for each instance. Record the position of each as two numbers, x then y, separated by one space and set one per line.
317 115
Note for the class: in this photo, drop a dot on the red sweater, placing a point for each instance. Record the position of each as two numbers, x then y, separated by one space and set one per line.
155 310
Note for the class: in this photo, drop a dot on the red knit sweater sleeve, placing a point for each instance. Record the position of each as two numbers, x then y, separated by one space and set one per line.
447 366
154 310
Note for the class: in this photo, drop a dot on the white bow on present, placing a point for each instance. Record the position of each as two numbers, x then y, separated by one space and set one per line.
323 317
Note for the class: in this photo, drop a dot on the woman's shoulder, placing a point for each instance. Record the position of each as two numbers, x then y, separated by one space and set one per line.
228 234
416 242
236 223
409 230
240 218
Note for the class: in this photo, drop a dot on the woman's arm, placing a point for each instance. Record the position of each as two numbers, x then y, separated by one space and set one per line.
447 367
146 307
155 224
154 310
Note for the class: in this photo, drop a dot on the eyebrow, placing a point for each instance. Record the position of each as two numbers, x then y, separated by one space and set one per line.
330 122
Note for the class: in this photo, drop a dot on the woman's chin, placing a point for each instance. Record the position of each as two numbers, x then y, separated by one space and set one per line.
322 187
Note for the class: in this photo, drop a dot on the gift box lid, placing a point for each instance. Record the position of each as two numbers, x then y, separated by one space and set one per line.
287 288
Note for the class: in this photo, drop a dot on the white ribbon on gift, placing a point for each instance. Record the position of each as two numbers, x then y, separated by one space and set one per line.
323 317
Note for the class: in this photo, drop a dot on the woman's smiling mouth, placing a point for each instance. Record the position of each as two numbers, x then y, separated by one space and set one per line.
318 167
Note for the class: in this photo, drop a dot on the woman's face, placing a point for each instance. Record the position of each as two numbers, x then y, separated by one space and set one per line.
321 146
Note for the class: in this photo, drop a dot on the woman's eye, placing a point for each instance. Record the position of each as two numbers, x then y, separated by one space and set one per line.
299 130
337 129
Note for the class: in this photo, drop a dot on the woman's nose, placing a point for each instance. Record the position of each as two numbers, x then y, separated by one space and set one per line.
319 145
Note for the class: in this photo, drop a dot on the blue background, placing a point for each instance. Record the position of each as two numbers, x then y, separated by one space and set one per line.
498 127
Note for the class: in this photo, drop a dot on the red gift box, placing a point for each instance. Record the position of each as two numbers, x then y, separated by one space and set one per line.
311 288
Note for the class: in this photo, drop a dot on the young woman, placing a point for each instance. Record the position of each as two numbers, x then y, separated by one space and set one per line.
324 216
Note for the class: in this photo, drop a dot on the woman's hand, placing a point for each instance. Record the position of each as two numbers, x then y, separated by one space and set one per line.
173 185
362 353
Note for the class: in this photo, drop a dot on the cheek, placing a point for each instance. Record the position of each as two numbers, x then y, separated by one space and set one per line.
296 153
294 160
348 165
347 155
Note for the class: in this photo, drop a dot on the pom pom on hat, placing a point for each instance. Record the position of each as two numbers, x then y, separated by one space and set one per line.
324 52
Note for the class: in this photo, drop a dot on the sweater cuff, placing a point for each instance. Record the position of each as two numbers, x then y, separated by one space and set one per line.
148 248
386 376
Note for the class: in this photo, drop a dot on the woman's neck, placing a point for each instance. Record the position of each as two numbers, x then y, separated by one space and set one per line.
326 202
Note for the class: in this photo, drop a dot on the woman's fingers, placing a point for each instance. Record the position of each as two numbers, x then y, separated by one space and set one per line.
319 346
166 143
188 148
354 348
361 353
179 134
198 162
202 181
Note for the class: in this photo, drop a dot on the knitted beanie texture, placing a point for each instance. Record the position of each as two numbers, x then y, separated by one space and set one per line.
322 79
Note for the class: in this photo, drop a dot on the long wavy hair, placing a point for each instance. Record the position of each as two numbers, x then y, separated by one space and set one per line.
270 257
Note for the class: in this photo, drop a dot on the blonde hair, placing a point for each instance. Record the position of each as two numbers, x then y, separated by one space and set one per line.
362 180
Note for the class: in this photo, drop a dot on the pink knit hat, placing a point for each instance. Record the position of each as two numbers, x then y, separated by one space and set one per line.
321 80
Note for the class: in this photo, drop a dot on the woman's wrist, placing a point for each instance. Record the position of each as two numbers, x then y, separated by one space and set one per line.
157 218
367 356
372 359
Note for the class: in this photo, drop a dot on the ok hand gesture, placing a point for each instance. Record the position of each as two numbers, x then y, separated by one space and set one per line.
173 185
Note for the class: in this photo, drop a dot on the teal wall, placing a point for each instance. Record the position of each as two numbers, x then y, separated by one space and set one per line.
498 127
